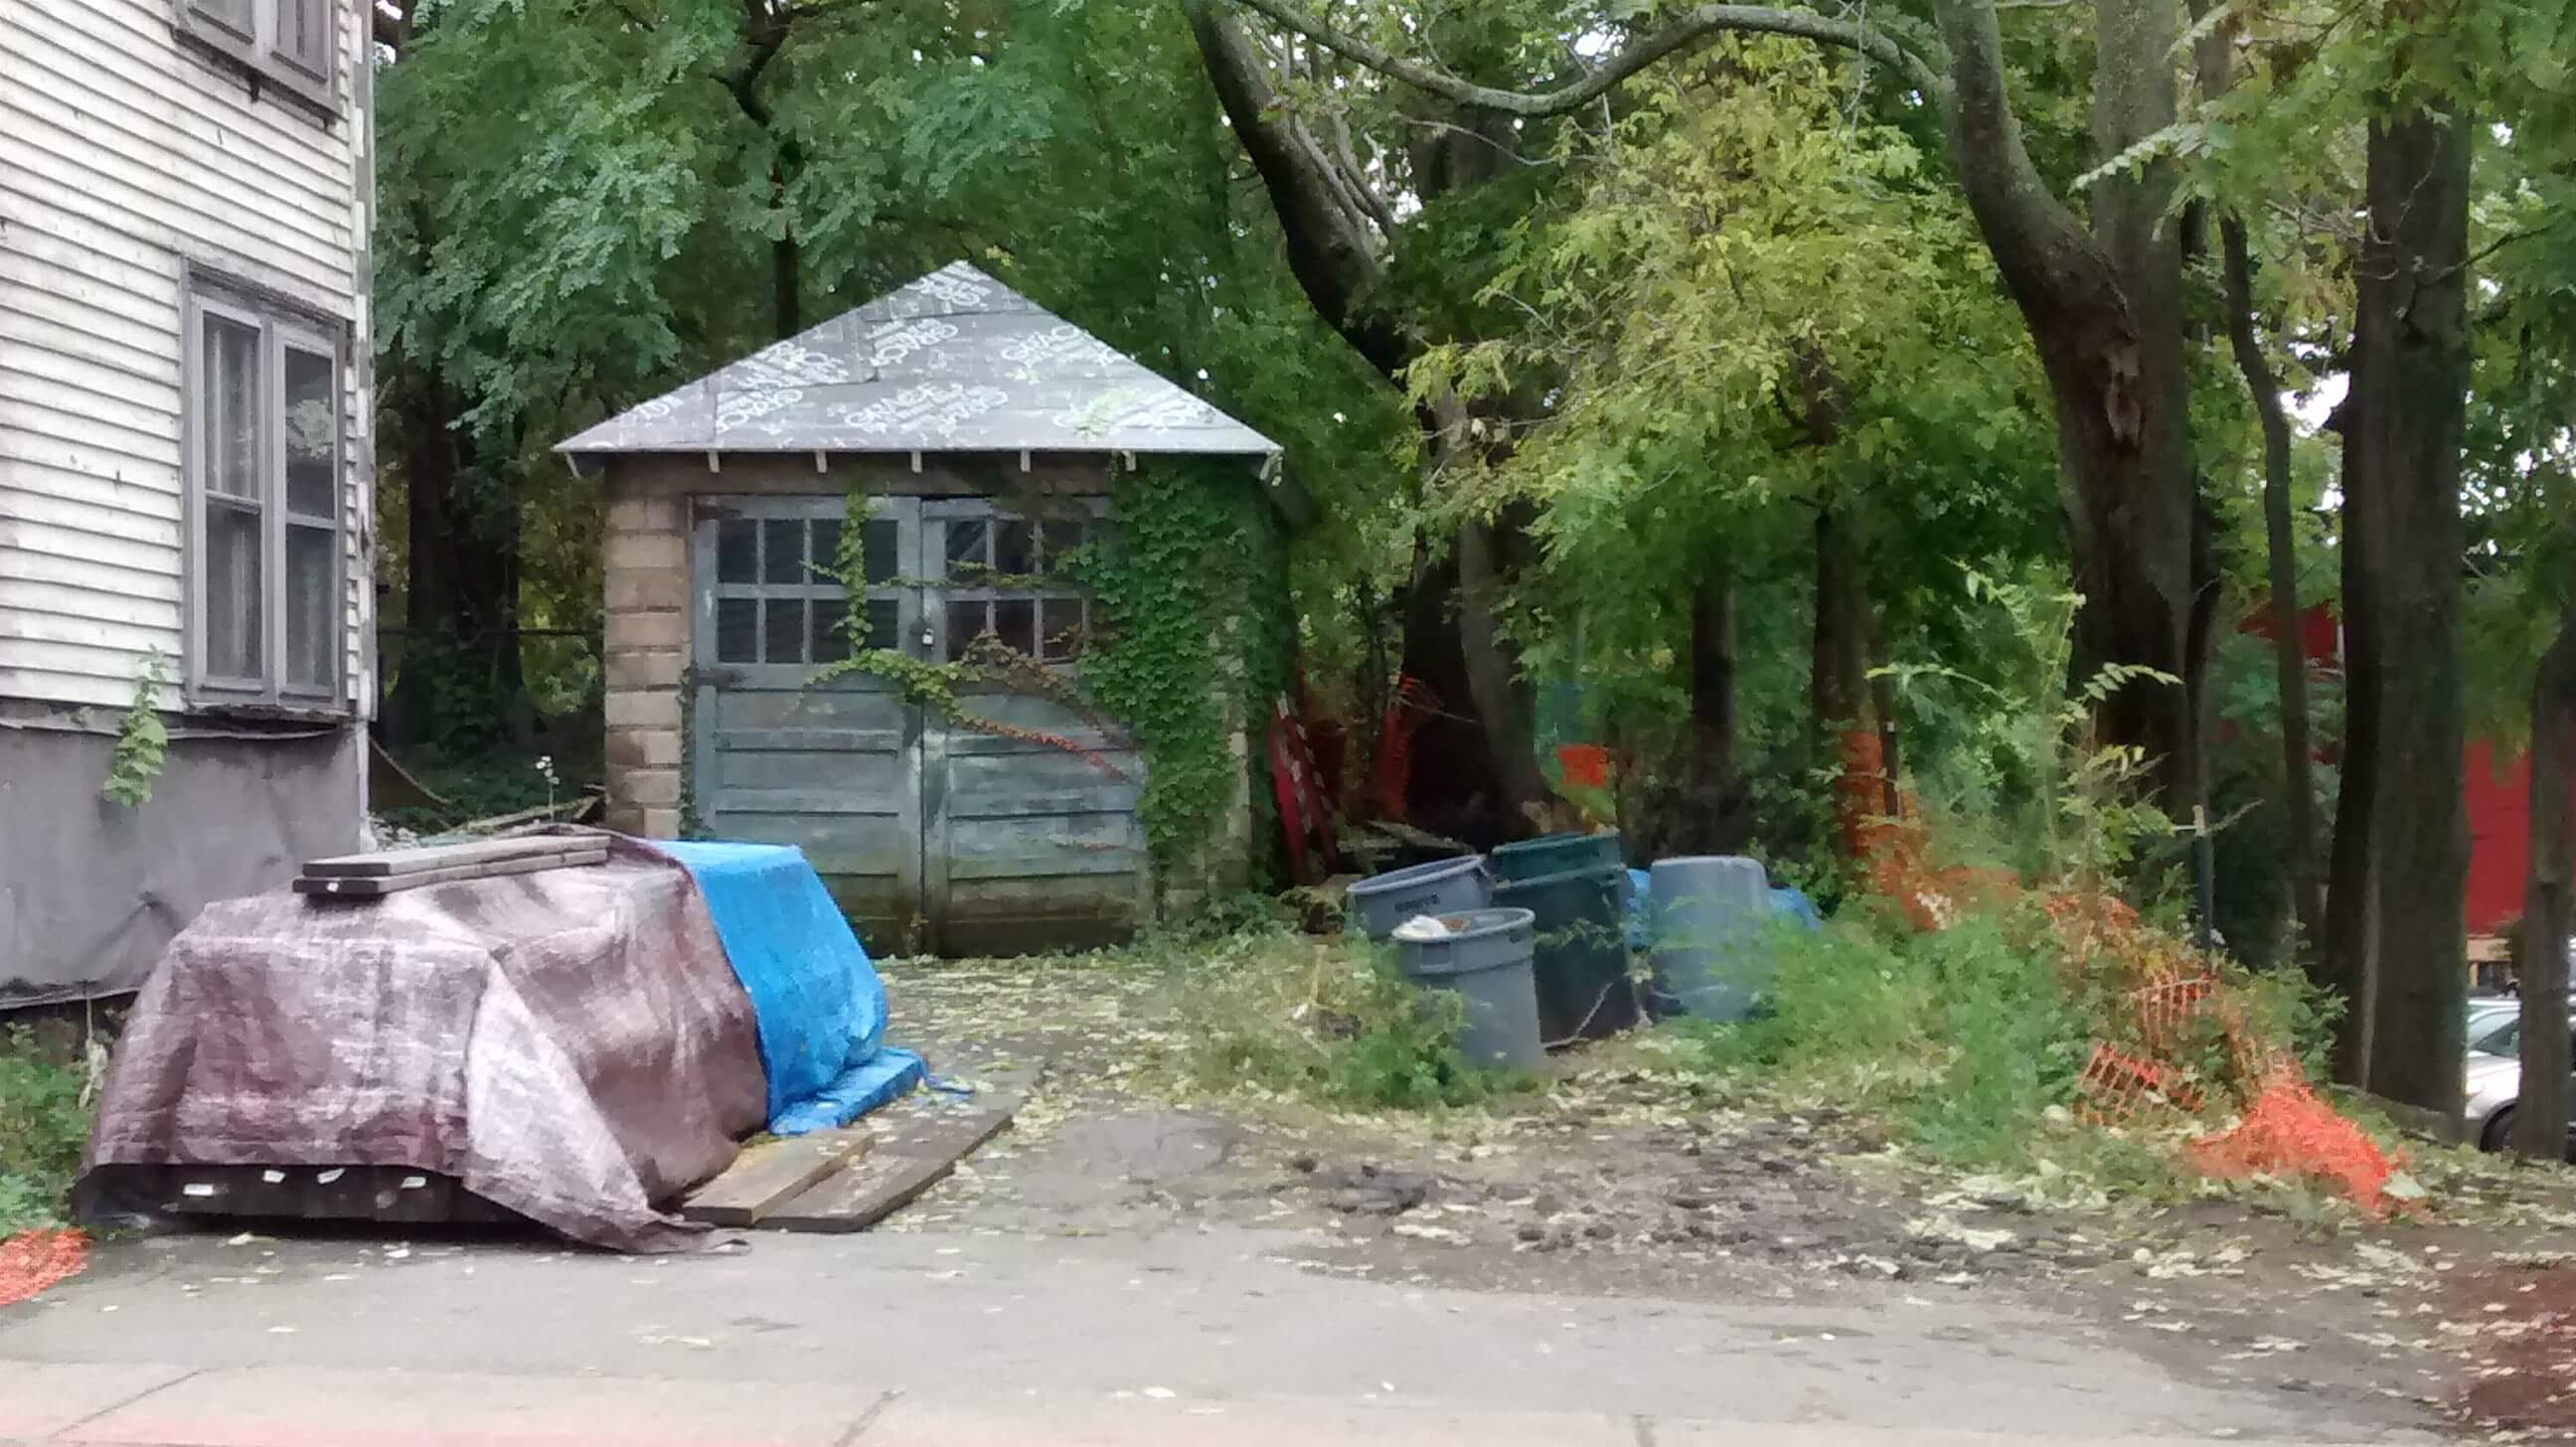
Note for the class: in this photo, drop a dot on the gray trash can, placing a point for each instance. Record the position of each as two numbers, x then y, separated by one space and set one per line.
1708 958
1484 959
1444 886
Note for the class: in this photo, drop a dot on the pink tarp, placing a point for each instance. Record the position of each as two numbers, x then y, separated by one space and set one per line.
569 1044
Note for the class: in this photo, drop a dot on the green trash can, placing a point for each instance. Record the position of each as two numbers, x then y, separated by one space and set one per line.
1580 961
1555 854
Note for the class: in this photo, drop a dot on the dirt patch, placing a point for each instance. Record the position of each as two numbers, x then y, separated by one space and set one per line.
1616 1181
2514 1326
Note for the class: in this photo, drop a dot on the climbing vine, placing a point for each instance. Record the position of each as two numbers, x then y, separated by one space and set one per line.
1191 640
1192 582
142 742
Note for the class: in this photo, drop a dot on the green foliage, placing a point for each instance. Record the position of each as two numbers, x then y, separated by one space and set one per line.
1190 579
1964 1038
44 1123
1323 1022
2003 752
142 741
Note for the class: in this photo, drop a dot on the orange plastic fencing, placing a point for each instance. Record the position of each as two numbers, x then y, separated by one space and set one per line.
2178 1042
34 1260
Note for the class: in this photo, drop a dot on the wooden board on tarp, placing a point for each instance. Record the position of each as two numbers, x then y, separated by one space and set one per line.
436 858
769 1175
341 887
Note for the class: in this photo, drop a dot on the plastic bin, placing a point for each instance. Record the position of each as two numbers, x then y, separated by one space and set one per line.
1444 886
1708 916
1484 959
1555 854
1580 966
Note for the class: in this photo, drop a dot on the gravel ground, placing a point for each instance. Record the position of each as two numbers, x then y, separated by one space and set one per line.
1626 1179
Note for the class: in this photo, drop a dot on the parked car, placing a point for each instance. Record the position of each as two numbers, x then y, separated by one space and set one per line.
2494 1072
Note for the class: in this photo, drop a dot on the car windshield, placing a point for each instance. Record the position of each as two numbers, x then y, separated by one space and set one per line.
2504 1039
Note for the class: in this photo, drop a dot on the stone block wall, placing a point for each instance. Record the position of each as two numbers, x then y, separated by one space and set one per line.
644 653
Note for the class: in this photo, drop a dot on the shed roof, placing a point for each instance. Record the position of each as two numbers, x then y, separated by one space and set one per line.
953 362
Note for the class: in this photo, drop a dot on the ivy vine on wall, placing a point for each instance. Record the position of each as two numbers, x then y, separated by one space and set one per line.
1192 640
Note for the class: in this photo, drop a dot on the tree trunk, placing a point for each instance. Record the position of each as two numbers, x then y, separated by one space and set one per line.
786 269
2104 312
2348 964
460 609
1501 705
1845 714
2540 1114
2289 650
1712 769
2409 385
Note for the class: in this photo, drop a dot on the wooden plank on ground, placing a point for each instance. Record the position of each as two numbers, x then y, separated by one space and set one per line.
911 1157
352 887
389 862
769 1175
863 1195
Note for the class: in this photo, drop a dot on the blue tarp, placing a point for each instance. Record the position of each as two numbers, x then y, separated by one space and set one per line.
1795 904
820 1009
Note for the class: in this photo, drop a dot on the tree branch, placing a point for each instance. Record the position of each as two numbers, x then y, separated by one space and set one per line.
1330 252
1694 29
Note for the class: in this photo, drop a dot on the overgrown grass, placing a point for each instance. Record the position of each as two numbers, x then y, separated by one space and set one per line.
43 1125
1971 1043
1326 1022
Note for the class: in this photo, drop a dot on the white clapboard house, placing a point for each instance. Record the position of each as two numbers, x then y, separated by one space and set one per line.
185 462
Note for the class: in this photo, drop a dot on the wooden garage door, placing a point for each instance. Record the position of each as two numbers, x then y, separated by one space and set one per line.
931 833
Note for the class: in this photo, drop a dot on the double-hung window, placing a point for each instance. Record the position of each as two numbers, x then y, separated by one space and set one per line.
264 486
287 42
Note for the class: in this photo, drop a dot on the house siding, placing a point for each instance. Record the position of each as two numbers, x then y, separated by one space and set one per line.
130 158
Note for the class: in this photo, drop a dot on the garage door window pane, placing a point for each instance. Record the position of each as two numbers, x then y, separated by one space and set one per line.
737 630
823 550
785 640
1061 540
965 625
885 621
782 551
1060 625
877 543
737 551
966 550
1013 549
1015 620
830 643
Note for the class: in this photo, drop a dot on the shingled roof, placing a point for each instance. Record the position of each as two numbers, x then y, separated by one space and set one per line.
954 362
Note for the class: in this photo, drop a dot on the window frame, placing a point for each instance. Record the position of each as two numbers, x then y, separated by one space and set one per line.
280 324
262 52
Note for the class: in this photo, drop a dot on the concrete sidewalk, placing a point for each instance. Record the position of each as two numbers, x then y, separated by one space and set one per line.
162 1406
956 1339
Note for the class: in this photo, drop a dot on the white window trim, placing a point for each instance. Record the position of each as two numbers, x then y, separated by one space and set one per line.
262 54
280 323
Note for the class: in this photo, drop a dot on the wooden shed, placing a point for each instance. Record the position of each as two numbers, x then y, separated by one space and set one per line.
864 588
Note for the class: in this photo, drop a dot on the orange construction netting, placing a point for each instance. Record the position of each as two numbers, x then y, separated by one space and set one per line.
2179 1042
34 1260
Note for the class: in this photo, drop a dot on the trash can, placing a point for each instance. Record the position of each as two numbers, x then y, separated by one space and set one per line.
1580 966
1483 957
1708 914
1443 886
1555 854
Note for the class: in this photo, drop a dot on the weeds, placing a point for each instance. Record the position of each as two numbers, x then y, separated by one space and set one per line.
1324 1022
43 1123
